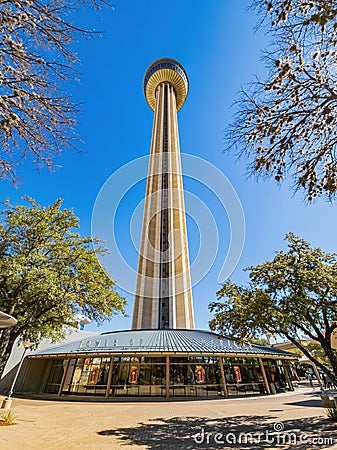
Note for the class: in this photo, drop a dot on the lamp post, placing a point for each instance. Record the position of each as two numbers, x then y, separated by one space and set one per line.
7 403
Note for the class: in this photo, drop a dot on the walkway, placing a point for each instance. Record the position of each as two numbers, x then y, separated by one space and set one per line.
215 424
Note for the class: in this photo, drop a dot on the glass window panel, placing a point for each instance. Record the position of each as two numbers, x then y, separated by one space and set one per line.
145 374
55 376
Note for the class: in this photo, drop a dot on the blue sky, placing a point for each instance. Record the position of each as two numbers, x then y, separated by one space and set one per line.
217 46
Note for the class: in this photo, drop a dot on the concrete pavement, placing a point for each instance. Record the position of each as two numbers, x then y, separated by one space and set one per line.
290 420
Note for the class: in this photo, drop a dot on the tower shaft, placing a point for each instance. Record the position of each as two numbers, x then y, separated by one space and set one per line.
163 292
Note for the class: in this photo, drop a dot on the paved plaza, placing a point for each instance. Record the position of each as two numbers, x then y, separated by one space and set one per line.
290 420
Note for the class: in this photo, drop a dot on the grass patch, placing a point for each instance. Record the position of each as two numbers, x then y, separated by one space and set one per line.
7 417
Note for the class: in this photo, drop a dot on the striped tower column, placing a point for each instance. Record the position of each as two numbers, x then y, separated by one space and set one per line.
163 292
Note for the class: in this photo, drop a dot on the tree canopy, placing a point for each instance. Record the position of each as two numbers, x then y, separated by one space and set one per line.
37 117
294 295
48 274
286 124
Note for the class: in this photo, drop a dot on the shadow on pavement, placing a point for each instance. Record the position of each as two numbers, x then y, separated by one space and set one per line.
243 432
313 403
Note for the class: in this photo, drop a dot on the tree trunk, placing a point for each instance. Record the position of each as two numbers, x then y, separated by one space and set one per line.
328 351
8 337
332 356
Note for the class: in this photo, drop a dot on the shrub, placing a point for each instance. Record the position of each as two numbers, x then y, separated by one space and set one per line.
332 413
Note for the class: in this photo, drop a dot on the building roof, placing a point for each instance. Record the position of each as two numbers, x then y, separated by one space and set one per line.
290 346
71 334
161 341
6 321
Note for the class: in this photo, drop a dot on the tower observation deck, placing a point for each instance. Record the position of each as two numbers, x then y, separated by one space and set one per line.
163 292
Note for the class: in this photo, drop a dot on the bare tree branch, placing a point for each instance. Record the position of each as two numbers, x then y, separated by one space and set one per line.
37 117
287 123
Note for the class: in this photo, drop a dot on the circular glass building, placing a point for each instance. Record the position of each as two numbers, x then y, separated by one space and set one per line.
158 363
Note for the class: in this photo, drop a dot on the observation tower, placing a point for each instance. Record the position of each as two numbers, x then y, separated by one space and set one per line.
163 297
163 355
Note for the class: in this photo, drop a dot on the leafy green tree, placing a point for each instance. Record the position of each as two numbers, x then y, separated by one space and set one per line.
294 295
286 124
37 117
317 351
48 274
